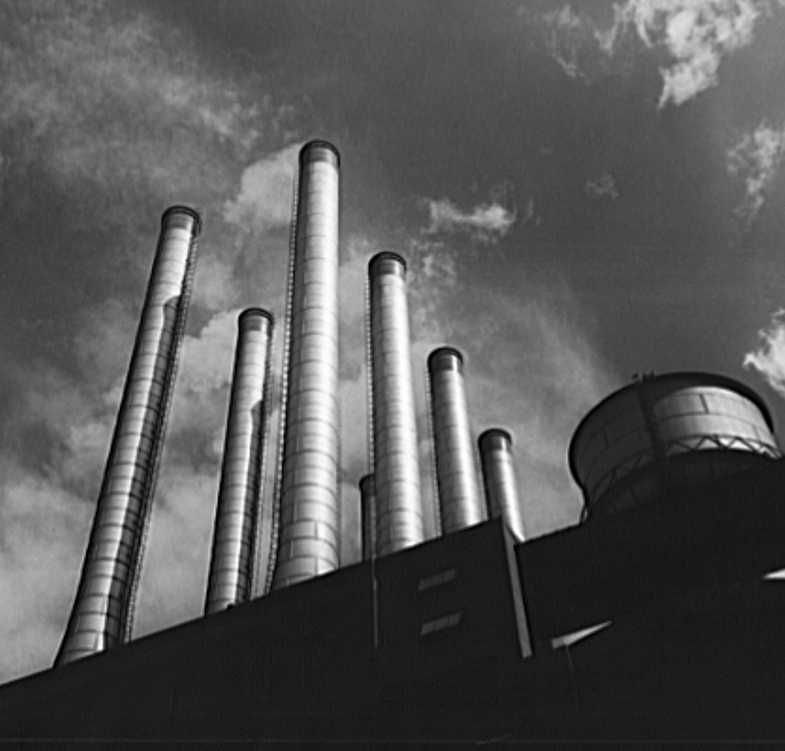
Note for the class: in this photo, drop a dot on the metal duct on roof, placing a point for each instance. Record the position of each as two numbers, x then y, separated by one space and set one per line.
498 472
456 473
103 609
399 514
230 579
309 524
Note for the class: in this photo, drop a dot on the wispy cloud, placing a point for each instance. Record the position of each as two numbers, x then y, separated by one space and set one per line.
110 110
696 35
755 158
769 357
486 222
603 186
570 37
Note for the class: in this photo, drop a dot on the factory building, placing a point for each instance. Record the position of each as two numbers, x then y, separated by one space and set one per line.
655 617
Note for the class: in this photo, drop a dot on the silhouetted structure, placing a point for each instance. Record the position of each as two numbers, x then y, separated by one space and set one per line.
456 640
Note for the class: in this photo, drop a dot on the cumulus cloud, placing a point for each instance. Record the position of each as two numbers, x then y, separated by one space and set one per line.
769 357
603 186
264 200
695 34
755 158
486 222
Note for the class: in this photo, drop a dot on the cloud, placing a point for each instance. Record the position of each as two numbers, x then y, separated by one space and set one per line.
100 97
539 392
769 358
603 186
568 37
487 222
695 34
265 197
755 158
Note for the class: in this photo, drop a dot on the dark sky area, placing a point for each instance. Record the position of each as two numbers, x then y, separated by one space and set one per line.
582 192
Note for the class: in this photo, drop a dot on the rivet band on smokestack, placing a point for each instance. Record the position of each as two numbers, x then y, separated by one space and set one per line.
456 474
498 472
399 515
230 579
368 517
309 531
102 612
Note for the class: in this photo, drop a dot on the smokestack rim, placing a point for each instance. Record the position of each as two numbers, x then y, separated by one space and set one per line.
375 267
254 313
312 146
182 209
486 438
450 355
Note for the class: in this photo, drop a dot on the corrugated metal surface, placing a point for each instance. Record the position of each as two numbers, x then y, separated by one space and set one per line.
498 472
102 612
309 530
368 517
399 517
230 578
456 473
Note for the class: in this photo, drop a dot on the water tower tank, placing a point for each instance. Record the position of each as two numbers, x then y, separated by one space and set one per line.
666 434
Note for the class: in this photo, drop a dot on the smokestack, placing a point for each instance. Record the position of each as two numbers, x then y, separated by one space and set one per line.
103 609
498 473
399 518
368 517
309 532
456 475
234 538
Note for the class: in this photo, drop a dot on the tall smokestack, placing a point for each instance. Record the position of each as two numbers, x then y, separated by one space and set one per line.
103 609
456 475
399 517
498 473
234 537
368 517
309 532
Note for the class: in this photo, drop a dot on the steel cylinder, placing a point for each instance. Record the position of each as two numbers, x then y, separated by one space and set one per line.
368 517
102 613
665 435
230 579
498 474
399 514
456 473
309 524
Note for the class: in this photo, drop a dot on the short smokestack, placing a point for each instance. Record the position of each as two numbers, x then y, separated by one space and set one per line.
309 532
103 609
399 517
230 580
456 474
368 517
498 473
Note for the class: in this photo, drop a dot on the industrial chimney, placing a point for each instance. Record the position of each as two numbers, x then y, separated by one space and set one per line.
666 435
456 475
399 514
368 517
498 474
309 532
103 609
230 579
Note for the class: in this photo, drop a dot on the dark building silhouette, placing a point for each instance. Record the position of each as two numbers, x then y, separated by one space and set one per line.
463 637
652 619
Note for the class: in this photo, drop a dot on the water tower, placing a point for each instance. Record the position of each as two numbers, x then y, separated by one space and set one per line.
665 435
